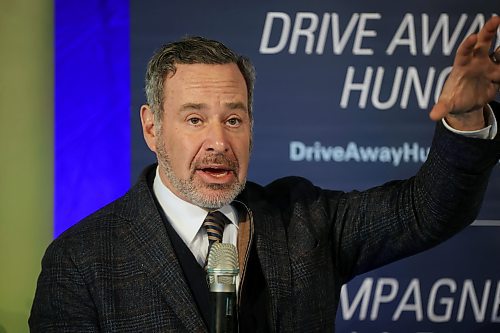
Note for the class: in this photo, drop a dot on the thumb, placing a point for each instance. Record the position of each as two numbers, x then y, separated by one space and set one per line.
439 111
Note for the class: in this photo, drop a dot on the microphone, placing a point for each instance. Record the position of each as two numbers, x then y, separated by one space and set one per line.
222 270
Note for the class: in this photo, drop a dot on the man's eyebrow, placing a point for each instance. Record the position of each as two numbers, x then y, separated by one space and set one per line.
200 106
236 106
193 106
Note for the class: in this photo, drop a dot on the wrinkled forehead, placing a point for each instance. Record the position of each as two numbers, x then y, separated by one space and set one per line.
225 75
205 81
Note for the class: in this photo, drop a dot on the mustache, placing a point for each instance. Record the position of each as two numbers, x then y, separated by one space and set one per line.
218 159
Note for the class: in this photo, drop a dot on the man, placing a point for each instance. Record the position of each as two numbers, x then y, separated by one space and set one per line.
137 264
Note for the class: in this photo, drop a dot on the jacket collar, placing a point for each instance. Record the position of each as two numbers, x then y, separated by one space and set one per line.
149 243
272 250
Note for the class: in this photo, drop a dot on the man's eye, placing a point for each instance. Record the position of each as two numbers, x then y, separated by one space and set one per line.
233 122
194 121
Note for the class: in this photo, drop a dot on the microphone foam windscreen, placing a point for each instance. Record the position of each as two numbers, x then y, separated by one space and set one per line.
223 263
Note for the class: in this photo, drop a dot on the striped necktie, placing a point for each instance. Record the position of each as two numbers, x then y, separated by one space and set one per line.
214 224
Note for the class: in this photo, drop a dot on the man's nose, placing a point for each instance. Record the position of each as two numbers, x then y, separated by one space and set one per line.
216 138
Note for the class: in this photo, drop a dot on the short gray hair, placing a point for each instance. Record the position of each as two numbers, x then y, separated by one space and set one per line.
191 50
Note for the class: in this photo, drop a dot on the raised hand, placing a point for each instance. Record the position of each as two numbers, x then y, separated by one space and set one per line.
473 82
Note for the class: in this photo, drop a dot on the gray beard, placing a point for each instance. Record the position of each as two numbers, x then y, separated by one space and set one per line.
226 193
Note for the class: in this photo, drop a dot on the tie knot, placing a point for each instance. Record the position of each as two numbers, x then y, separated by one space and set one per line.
214 223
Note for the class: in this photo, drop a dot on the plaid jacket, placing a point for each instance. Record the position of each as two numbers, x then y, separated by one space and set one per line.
116 271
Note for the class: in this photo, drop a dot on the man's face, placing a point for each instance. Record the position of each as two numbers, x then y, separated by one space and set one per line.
203 142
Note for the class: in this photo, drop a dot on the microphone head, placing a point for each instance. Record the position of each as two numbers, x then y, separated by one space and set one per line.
222 267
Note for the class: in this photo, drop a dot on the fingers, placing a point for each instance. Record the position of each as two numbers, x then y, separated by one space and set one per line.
475 77
489 30
495 56
478 44
465 51
486 36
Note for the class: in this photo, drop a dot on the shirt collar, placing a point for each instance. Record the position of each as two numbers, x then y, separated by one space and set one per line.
185 217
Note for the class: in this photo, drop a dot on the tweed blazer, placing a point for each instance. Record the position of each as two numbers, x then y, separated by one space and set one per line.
116 271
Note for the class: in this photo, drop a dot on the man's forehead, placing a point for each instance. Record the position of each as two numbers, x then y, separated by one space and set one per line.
192 84
206 75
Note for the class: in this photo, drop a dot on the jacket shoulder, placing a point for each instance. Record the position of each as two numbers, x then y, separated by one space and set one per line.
288 187
107 223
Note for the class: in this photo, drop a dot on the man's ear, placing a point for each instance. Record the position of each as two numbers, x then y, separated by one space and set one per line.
148 126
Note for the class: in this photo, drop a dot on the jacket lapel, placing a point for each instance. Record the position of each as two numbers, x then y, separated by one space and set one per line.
151 246
272 251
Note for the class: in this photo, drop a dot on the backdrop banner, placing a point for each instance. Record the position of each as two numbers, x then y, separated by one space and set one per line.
342 98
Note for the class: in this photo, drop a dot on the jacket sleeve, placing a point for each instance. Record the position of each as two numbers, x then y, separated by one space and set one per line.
401 218
62 301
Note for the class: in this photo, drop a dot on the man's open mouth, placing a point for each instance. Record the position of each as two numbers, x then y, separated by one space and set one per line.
216 172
